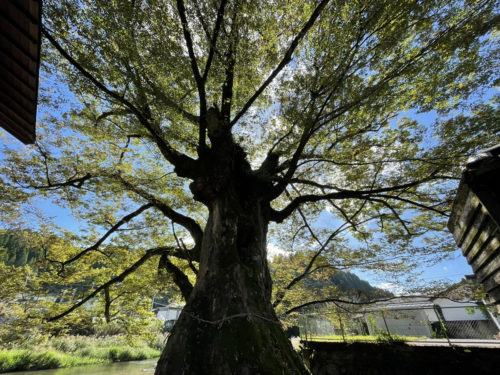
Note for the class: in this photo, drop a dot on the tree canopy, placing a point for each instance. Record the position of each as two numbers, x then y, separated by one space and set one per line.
185 130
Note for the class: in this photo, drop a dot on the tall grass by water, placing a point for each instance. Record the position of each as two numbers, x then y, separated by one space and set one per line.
69 351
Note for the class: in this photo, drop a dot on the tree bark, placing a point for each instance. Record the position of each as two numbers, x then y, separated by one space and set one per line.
228 325
107 305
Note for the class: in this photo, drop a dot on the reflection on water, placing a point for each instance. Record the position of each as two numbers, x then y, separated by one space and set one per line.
128 368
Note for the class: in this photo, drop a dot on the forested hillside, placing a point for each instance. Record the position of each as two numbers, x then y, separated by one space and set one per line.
16 250
347 282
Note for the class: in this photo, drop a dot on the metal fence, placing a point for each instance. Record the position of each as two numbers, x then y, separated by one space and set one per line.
400 323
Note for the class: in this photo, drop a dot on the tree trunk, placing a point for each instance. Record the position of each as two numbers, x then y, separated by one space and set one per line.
228 325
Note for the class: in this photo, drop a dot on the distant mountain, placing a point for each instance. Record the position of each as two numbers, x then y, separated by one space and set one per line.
348 283
322 279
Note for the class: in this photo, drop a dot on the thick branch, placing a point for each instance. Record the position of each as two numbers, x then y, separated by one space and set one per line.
293 162
279 216
149 253
227 88
185 252
179 278
394 73
107 305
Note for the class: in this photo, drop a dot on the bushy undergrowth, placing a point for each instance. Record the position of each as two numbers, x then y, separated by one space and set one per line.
69 351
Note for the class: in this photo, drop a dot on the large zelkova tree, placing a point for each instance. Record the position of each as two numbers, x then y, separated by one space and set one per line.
188 129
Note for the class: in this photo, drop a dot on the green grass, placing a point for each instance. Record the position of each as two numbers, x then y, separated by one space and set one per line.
70 351
376 339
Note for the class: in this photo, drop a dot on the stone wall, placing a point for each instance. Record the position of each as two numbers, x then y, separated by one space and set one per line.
399 358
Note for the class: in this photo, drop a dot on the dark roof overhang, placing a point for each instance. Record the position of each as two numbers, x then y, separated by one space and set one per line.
20 22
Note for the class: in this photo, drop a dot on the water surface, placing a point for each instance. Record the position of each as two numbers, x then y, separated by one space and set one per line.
117 368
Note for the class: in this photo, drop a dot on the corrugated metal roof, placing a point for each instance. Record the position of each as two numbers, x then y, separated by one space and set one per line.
19 63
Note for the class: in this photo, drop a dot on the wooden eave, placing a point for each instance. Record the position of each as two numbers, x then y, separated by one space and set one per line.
20 22
475 221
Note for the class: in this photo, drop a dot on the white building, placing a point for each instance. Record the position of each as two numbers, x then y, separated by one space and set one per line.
423 316
168 314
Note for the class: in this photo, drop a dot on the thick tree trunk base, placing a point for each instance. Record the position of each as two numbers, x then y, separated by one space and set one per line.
236 346
228 326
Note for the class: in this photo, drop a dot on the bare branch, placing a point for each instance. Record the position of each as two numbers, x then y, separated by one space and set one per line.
46 165
338 300
395 213
76 182
117 112
160 94
430 208
307 270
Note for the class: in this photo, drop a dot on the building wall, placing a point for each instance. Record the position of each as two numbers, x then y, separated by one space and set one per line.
168 313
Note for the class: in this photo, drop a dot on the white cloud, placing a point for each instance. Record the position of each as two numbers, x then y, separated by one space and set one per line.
188 241
392 287
273 250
